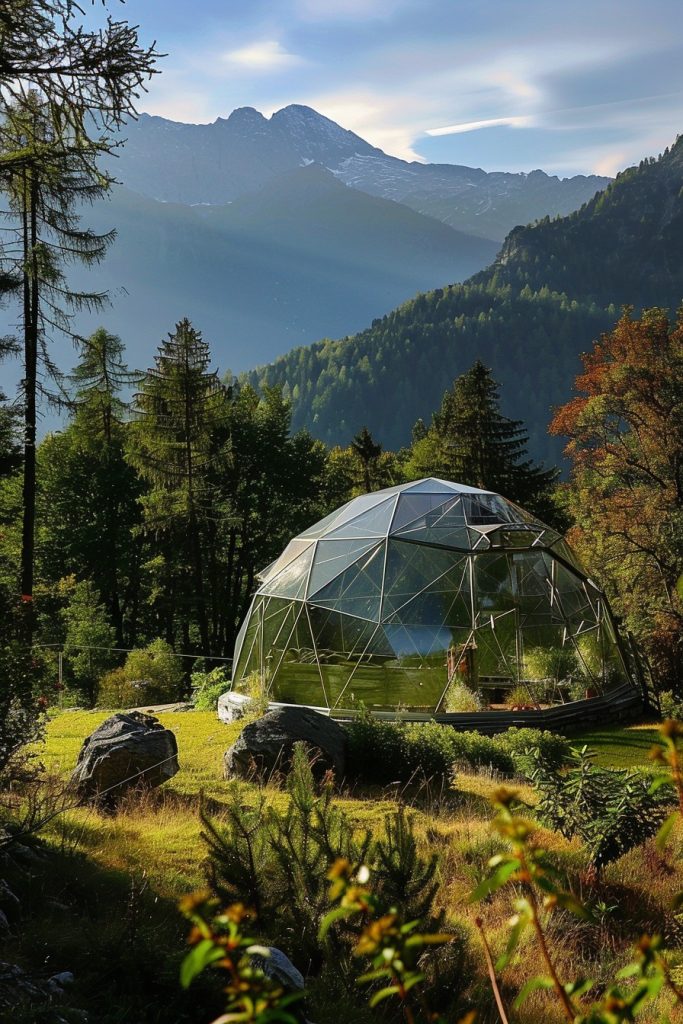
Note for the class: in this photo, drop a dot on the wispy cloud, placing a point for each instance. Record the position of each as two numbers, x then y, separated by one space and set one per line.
474 126
505 86
264 55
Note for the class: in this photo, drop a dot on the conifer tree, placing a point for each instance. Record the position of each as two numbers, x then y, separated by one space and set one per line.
87 501
175 444
44 181
368 452
471 442
64 87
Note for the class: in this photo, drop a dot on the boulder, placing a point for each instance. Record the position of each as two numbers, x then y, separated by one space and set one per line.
128 750
265 746
232 706
277 965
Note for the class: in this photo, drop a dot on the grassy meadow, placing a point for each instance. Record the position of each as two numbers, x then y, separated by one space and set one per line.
108 899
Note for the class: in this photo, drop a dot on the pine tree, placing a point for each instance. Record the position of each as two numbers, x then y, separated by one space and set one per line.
99 378
45 176
88 498
368 452
176 445
471 442
64 86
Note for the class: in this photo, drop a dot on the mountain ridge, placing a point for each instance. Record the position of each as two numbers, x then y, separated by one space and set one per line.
215 163
553 288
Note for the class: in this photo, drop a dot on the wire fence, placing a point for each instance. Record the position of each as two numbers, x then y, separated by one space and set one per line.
62 652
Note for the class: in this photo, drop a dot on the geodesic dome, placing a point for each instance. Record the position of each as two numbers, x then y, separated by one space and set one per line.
422 596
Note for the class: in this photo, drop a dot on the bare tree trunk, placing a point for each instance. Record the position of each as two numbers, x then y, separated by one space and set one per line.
30 233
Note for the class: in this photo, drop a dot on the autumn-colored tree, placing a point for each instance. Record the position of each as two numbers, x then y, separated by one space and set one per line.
625 430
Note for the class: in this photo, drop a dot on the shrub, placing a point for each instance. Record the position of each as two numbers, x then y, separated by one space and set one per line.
671 705
461 699
152 675
376 750
522 696
610 811
478 751
277 860
207 687
555 663
384 752
526 746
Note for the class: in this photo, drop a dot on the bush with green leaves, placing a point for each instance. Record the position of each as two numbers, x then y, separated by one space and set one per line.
525 746
384 752
552 663
151 675
671 705
461 699
89 638
611 811
207 687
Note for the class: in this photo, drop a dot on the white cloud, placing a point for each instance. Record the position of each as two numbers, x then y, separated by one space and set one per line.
473 126
264 55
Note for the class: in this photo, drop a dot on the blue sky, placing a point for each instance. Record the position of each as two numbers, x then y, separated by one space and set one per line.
579 86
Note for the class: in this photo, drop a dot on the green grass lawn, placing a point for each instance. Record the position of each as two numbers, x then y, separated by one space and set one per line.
105 903
161 836
620 746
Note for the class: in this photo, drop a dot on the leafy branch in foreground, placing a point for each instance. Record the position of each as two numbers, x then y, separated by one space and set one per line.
392 945
217 940
527 868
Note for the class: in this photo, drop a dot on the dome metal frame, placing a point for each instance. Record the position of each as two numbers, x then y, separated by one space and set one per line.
404 594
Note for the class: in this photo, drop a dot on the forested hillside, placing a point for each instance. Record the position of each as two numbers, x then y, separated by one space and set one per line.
552 290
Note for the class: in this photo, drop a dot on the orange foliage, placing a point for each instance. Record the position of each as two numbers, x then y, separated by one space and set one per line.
625 431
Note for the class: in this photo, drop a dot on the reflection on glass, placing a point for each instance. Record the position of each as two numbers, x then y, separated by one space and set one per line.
429 597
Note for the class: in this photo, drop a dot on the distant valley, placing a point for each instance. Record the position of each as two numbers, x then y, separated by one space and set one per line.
552 290
273 233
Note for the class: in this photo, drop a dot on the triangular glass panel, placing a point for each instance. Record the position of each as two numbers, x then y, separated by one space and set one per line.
332 556
412 507
492 582
291 581
563 551
292 551
321 527
414 571
357 590
373 522
431 485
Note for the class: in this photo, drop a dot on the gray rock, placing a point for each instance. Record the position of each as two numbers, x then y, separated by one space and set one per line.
4 925
275 964
63 979
128 750
266 746
232 706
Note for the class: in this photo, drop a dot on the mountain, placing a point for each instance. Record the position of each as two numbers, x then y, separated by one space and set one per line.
553 288
304 257
216 163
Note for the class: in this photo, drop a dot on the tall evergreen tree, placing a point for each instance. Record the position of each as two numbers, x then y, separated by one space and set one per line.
175 444
87 499
471 442
368 452
10 442
64 86
45 180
